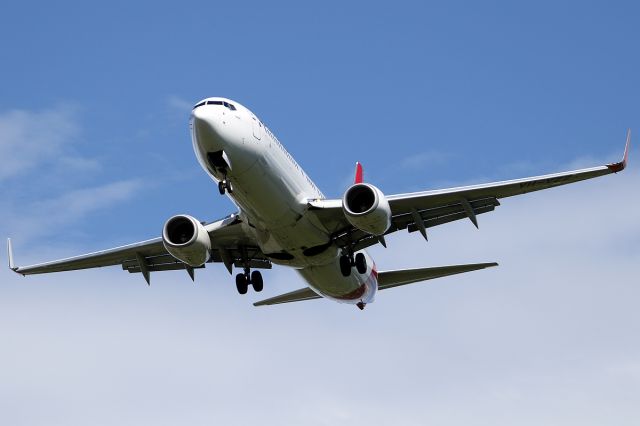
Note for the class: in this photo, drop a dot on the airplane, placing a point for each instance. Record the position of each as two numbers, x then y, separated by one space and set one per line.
284 219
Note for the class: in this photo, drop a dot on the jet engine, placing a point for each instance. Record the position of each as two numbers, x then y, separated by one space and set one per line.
186 239
366 208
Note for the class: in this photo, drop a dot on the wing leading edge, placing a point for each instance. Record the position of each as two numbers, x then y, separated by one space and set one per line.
233 246
399 203
419 211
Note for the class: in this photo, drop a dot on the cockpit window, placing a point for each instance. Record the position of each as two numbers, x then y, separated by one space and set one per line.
226 104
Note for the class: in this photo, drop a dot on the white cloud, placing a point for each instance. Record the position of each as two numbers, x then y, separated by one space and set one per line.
424 159
29 139
548 337
33 140
178 109
41 218
179 104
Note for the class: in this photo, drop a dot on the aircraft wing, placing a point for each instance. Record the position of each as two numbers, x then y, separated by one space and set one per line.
419 211
231 246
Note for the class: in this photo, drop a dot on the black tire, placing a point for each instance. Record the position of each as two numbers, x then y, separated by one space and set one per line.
229 187
361 263
221 187
256 281
345 266
241 283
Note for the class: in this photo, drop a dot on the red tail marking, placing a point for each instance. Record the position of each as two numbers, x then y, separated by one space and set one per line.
359 173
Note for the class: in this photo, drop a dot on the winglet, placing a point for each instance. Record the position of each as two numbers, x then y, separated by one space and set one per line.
620 166
12 265
359 174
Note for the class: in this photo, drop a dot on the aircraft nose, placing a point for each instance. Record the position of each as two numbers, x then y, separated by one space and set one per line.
205 126
203 120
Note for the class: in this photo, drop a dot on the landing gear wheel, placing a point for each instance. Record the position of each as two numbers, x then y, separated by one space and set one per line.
345 265
242 283
361 263
225 186
256 281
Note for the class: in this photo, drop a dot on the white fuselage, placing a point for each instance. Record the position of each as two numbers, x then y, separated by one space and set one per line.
271 191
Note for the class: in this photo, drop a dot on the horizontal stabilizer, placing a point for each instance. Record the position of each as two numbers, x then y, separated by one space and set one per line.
389 279
293 296
386 280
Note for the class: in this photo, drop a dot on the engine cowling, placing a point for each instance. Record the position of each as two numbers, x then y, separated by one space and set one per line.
186 239
366 208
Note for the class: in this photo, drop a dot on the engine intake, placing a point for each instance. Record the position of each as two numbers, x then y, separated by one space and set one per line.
366 208
186 239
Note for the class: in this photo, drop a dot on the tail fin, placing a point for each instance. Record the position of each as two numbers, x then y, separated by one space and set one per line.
359 174
400 277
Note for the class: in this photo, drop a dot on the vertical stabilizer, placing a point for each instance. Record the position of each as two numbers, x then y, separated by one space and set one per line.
359 174
12 265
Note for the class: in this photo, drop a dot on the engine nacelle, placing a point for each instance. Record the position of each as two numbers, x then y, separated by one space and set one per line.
366 208
186 239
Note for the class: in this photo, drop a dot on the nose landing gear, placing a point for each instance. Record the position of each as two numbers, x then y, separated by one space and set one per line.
225 186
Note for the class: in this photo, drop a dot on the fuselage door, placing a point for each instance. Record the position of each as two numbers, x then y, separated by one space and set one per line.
257 128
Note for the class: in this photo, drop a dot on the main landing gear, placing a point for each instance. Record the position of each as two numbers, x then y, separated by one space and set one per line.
225 186
244 279
347 261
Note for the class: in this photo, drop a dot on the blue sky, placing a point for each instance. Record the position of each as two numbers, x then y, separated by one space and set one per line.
95 152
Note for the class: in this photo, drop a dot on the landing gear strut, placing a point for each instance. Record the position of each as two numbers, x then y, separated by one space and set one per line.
244 279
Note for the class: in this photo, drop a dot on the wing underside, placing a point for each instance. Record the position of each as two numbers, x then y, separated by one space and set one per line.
419 211
233 247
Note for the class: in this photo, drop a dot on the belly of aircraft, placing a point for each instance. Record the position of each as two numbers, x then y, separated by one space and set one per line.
327 281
